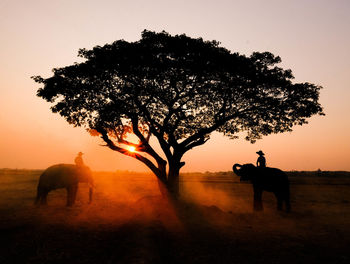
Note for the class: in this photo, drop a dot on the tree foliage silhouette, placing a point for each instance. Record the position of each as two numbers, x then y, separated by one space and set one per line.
179 90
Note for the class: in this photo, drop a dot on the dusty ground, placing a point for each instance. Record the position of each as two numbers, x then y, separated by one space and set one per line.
213 223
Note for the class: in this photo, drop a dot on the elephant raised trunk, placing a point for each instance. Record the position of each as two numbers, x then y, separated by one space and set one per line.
91 190
235 170
64 176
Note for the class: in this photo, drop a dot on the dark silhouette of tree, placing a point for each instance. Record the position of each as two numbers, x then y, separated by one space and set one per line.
179 90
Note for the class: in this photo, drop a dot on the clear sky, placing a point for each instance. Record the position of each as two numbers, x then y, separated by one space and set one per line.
311 37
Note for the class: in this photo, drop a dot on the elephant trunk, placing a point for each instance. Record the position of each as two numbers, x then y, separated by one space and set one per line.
91 190
235 169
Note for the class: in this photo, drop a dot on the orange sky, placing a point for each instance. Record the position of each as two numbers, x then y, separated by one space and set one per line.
312 38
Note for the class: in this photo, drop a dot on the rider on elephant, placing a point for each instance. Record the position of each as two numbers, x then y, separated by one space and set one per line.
80 163
261 162
79 160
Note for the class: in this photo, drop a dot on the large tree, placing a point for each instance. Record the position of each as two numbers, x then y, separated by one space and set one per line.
179 90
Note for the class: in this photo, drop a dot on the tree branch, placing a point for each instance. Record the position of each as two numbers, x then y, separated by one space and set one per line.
164 145
147 147
193 144
137 156
201 133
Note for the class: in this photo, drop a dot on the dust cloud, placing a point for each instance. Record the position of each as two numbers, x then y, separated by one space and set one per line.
215 189
123 197
119 198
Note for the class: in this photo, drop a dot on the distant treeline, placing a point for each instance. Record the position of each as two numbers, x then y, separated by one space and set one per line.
293 173
318 173
7 171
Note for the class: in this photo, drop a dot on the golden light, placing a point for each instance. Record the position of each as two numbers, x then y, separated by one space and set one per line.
131 149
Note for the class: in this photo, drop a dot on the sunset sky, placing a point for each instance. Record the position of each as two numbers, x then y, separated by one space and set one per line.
311 37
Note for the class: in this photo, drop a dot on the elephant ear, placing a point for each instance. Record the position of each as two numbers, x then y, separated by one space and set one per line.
250 166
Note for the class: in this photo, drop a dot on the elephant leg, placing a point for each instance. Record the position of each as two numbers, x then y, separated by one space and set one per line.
279 199
41 196
71 194
74 194
282 197
279 203
287 200
258 206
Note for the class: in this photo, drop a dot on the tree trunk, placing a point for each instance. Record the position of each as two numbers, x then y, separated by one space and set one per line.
174 182
169 184
163 188
174 177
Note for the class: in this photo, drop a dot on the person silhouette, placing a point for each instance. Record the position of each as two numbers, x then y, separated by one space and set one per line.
261 162
79 160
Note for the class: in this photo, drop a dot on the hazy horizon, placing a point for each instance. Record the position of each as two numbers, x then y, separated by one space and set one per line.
311 37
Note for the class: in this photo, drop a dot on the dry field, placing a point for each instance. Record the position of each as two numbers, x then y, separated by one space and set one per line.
213 222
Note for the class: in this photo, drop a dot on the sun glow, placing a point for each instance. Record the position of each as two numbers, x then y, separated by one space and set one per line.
131 149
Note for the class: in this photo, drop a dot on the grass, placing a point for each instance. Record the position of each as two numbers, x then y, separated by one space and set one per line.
128 221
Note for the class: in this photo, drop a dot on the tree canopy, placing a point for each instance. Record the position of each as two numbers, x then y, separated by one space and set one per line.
178 89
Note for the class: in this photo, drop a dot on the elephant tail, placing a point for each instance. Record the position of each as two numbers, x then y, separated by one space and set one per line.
90 194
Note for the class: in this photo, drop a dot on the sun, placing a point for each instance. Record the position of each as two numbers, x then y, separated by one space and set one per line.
131 149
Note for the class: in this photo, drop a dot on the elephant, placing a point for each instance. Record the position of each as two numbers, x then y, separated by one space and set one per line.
64 176
265 179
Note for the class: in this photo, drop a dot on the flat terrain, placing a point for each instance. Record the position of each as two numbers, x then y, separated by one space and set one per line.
213 222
